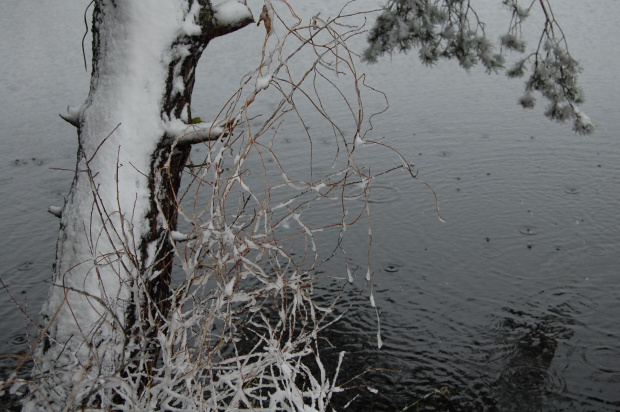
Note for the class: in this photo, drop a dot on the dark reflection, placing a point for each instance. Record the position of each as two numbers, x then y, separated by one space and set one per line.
509 368
527 380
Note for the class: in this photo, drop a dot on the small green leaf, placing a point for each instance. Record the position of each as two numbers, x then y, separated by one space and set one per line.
195 120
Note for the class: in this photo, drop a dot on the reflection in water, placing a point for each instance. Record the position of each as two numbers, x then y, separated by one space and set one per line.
527 380
509 368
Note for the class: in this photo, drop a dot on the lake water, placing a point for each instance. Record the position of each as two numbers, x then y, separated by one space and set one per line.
511 304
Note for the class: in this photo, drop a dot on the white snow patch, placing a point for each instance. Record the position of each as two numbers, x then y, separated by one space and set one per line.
358 140
228 235
263 82
55 210
286 370
184 114
231 12
230 287
178 85
189 24
178 236
189 133
73 113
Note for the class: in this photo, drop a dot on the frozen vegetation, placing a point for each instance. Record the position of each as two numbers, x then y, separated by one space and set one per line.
238 329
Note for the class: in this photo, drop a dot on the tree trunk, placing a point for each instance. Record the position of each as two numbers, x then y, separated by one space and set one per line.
111 280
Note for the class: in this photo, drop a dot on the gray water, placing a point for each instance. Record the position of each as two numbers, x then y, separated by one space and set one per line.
511 304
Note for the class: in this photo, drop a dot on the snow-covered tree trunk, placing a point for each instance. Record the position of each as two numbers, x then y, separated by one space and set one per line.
110 291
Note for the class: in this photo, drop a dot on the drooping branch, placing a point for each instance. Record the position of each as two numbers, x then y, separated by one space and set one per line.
451 29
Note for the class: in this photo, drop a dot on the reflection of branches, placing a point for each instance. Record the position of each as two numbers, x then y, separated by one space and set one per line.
526 362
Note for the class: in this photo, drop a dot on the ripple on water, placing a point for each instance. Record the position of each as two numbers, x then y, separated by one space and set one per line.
26 266
392 267
571 190
382 194
533 378
490 252
7 365
19 339
596 251
564 301
15 362
602 358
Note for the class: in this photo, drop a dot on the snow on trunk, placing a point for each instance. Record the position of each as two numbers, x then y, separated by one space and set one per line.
110 280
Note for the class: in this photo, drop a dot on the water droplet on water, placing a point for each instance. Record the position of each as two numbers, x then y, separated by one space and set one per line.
528 230
392 268
19 340
571 190
26 266
382 194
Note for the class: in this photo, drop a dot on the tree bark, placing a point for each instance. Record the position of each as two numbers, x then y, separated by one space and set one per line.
110 293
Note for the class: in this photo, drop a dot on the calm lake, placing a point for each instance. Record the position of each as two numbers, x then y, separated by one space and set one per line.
511 304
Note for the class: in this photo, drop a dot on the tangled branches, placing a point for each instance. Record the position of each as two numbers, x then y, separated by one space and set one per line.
237 325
